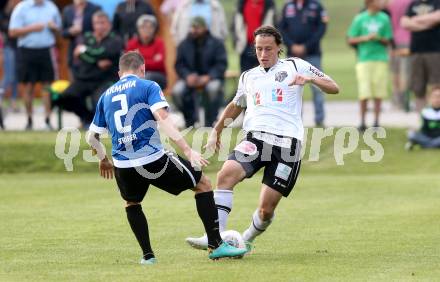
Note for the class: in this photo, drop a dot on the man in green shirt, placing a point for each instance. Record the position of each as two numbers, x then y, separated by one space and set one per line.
371 32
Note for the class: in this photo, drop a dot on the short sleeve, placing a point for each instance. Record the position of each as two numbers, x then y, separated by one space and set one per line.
409 11
387 31
16 20
354 30
155 98
307 69
240 95
99 124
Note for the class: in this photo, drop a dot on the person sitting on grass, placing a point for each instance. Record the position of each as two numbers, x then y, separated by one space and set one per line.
429 134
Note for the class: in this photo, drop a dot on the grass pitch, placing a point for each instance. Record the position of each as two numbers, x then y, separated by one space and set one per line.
333 228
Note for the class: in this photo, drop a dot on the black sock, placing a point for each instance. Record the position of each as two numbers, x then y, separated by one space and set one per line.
29 120
139 225
47 120
209 216
1 119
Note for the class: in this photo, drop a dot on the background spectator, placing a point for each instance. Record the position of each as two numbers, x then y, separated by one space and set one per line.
429 134
98 56
201 63
168 7
77 20
9 57
250 15
423 20
108 6
303 25
151 47
400 65
34 23
371 31
126 15
210 10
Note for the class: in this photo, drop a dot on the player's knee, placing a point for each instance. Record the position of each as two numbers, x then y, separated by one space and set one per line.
266 213
204 185
227 178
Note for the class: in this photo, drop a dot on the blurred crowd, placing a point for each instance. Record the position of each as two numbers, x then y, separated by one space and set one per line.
401 35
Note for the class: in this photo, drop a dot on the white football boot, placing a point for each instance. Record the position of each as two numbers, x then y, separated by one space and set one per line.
200 243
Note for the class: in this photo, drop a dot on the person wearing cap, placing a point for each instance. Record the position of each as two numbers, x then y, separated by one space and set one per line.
211 10
201 62
151 47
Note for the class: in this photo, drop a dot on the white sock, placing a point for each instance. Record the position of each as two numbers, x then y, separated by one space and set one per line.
223 202
256 227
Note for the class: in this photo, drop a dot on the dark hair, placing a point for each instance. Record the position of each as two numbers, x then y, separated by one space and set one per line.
100 14
267 30
131 60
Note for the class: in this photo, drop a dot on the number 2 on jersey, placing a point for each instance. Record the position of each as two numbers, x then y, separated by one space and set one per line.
122 112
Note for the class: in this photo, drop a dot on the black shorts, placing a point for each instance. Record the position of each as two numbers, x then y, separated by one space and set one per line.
35 65
170 173
281 164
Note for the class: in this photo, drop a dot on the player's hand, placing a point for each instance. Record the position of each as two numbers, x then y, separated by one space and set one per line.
300 80
106 168
213 141
195 158
192 79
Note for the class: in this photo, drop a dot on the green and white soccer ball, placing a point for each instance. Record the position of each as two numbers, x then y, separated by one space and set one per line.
233 238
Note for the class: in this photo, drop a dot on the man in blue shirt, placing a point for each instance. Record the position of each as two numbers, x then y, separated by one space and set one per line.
34 24
130 111
303 25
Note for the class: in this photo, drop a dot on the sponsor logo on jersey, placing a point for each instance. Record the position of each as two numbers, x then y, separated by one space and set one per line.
316 72
290 10
280 76
257 98
277 95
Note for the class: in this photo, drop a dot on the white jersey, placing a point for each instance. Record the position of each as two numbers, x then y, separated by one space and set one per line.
272 105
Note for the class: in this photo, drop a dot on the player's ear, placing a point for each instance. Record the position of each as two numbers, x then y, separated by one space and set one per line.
120 74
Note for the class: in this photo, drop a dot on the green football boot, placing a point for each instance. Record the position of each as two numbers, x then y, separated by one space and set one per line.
226 251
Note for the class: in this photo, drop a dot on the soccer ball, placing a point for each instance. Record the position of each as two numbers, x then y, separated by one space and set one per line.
233 238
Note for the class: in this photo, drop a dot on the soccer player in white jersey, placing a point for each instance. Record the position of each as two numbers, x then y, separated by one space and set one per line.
130 111
271 95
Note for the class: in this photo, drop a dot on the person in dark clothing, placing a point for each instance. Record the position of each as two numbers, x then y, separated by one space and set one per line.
200 64
303 25
77 20
250 15
97 69
126 16
429 134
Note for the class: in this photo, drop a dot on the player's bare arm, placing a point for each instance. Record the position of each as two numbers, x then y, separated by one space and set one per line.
168 127
98 149
325 83
231 112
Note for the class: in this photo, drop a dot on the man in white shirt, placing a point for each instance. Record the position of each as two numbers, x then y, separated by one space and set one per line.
272 96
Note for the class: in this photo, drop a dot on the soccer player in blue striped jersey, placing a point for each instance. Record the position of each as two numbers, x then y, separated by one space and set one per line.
131 111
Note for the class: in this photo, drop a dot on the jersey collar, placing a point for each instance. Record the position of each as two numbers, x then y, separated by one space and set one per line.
128 75
271 68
